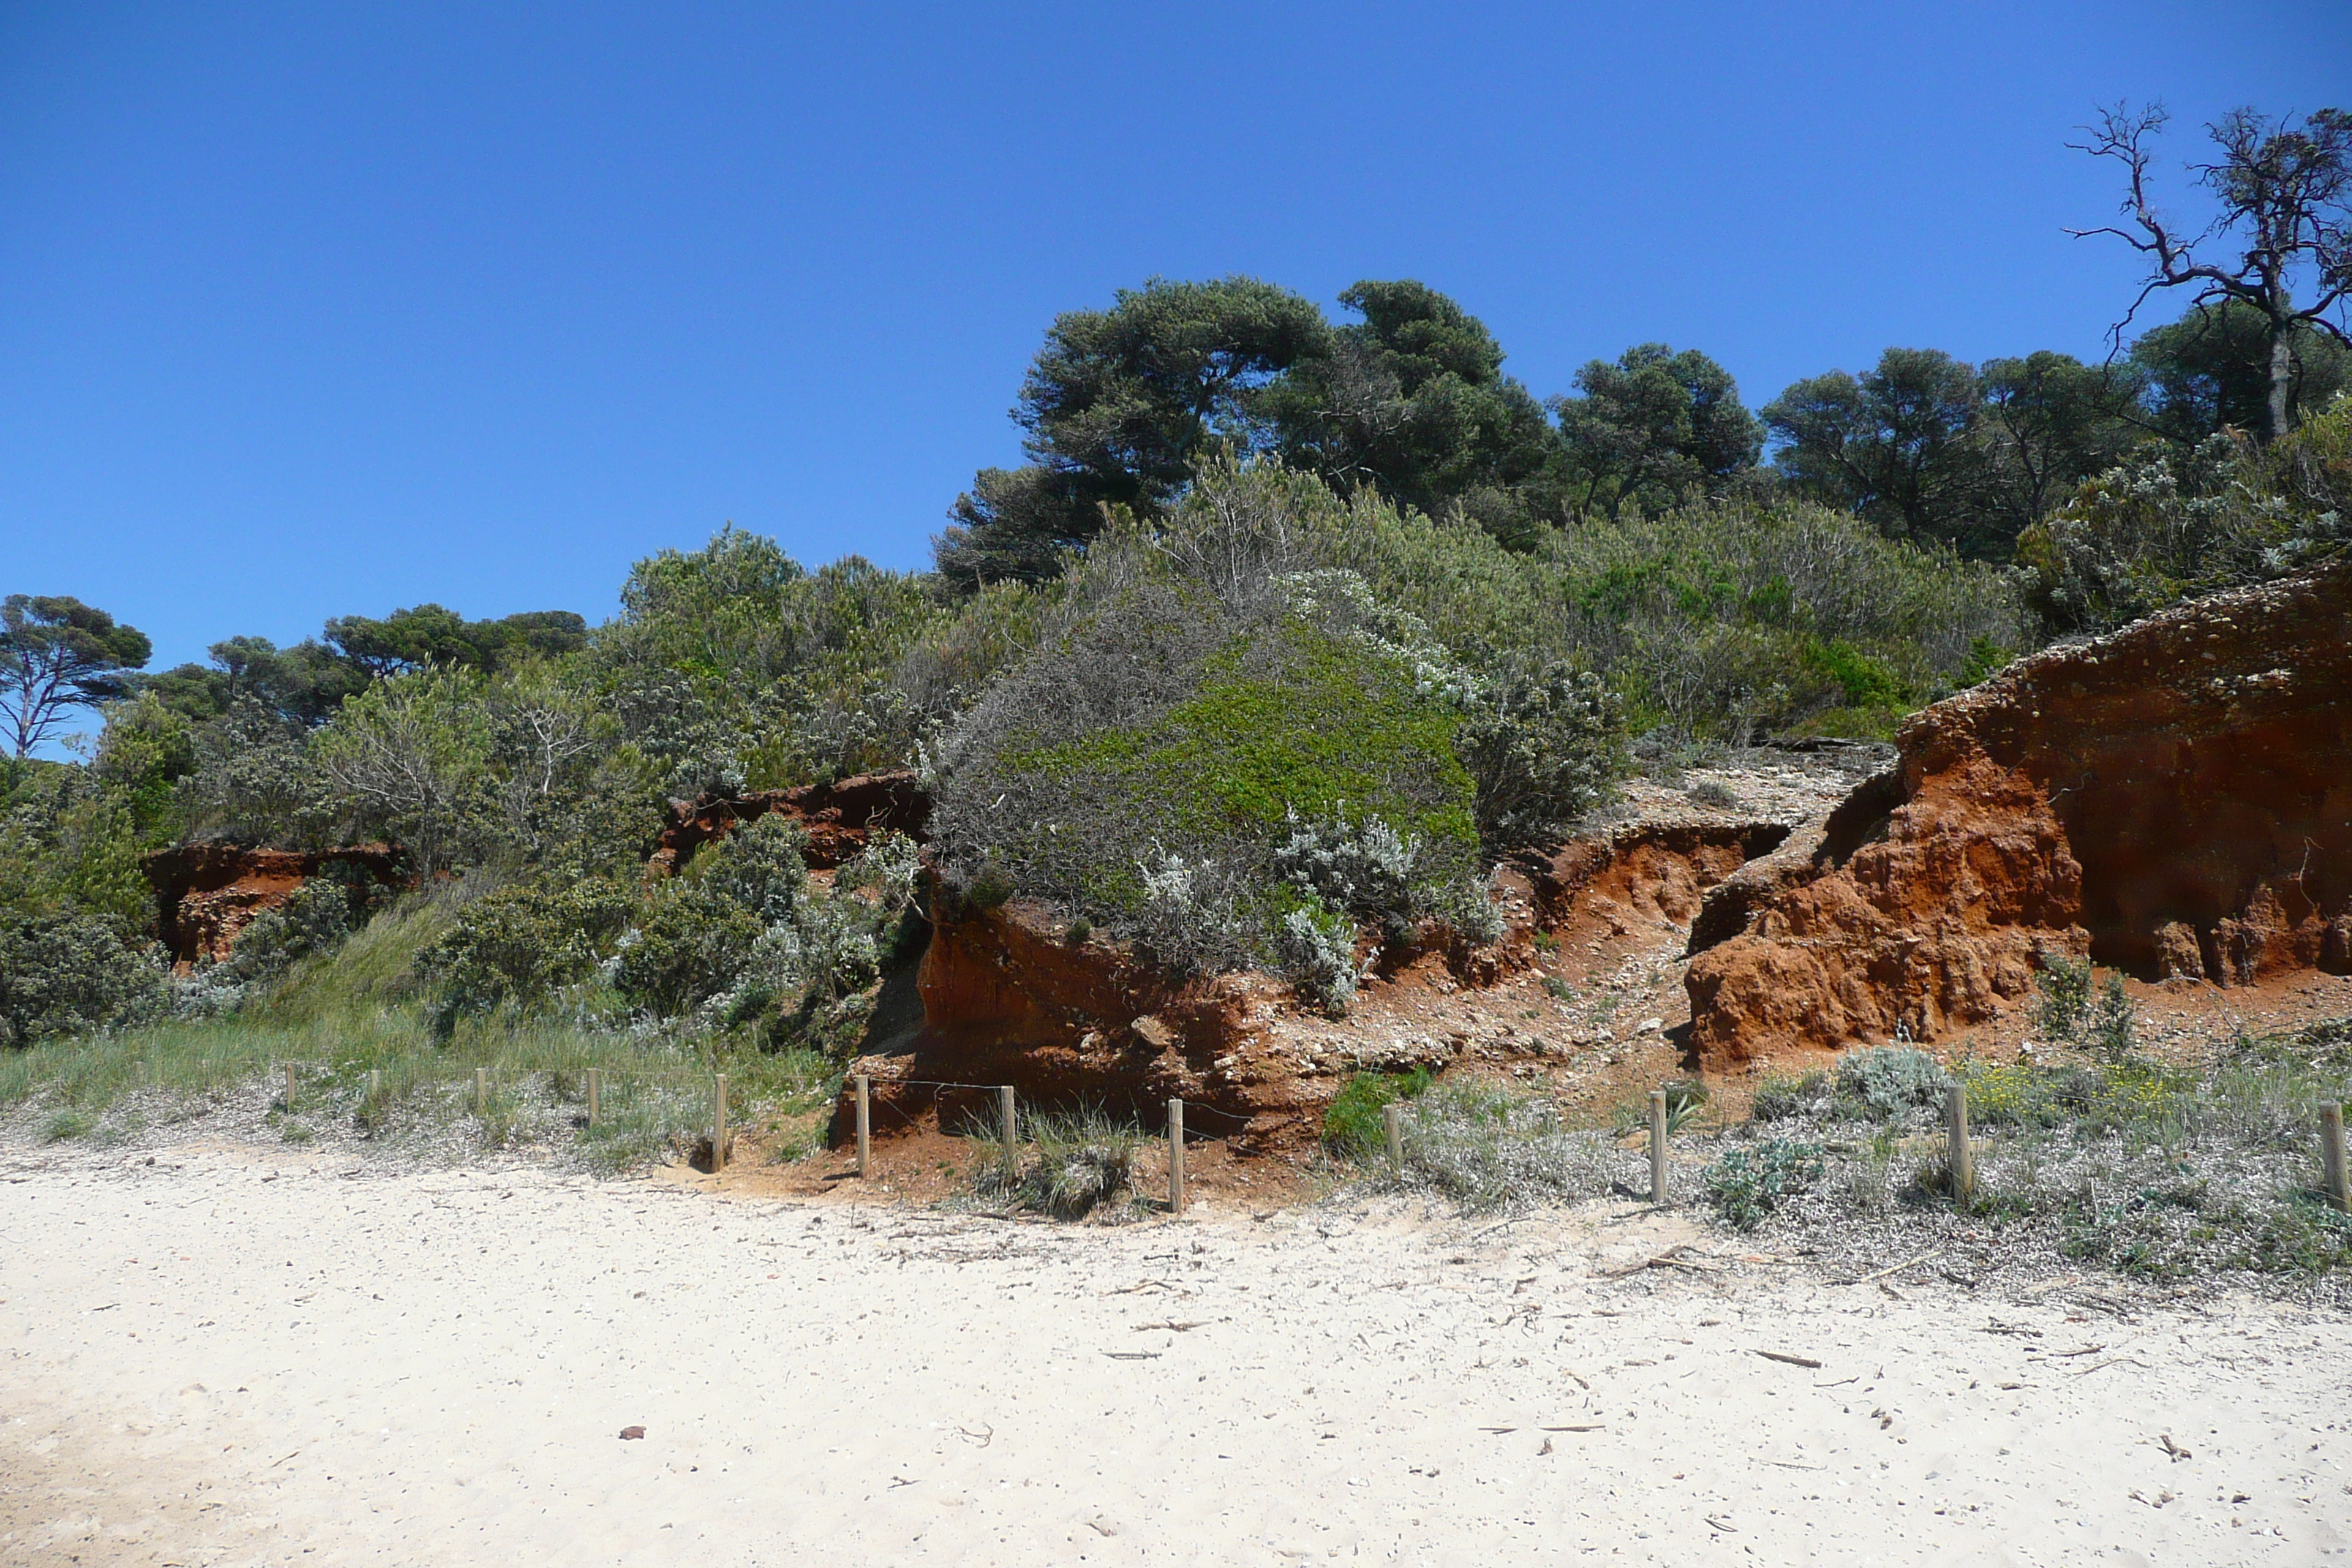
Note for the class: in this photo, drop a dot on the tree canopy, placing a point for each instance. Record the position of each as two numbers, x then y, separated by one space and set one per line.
58 653
2284 191
1117 405
1413 402
1656 425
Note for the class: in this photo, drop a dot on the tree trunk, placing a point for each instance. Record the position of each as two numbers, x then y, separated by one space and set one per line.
2282 377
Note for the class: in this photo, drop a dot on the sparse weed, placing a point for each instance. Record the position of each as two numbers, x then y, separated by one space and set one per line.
1745 1184
1356 1122
1487 1148
1075 1163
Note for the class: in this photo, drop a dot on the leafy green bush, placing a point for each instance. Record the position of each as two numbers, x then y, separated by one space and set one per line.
1354 1123
2165 524
760 867
520 944
1185 743
1544 746
2062 999
1893 1081
1745 1184
314 919
69 973
690 944
2070 1008
2113 1028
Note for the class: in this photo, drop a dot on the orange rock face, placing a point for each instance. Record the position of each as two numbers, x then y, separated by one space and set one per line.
1007 999
2175 798
206 894
839 817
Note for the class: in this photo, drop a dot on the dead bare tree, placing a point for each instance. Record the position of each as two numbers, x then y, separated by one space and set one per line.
2285 195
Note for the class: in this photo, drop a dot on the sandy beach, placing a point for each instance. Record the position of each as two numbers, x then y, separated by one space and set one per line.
228 1355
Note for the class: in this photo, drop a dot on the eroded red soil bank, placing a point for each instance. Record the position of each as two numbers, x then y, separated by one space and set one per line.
2175 799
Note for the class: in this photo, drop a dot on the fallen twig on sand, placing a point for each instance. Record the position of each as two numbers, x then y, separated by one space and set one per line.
1891 1269
2112 1362
1791 1360
1669 1259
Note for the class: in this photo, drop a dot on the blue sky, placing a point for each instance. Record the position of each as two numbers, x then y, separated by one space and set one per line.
319 310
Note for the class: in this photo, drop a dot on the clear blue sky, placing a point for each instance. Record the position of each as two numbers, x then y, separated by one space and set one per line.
315 309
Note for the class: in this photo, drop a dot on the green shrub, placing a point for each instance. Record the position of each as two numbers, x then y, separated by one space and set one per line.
1545 745
2112 1030
1783 1096
72 974
1194 735
1745 1184
2072 1008
1354 1123
1893 1081
689 945
315 919
520 944
759 869
2063 994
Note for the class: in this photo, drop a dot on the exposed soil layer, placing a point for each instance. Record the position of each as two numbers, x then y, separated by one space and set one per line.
207 894
839 817
1655 873
2174 800
1007 998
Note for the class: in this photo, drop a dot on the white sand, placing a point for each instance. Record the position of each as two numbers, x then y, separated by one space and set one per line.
235 1356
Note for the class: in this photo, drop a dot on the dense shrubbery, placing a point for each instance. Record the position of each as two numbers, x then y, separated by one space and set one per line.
2168 522
70 975
1220 748
520 944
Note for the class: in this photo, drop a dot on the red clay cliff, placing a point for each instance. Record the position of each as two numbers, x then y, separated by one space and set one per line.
2174 800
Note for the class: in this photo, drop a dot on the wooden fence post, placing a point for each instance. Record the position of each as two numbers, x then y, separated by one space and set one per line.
1008 1124
375 1085
1392 1123
1176 1156
1956 1142
2331 1156
864 1121
718 1123
290 1086
595 1095
481 1091
1658 1145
